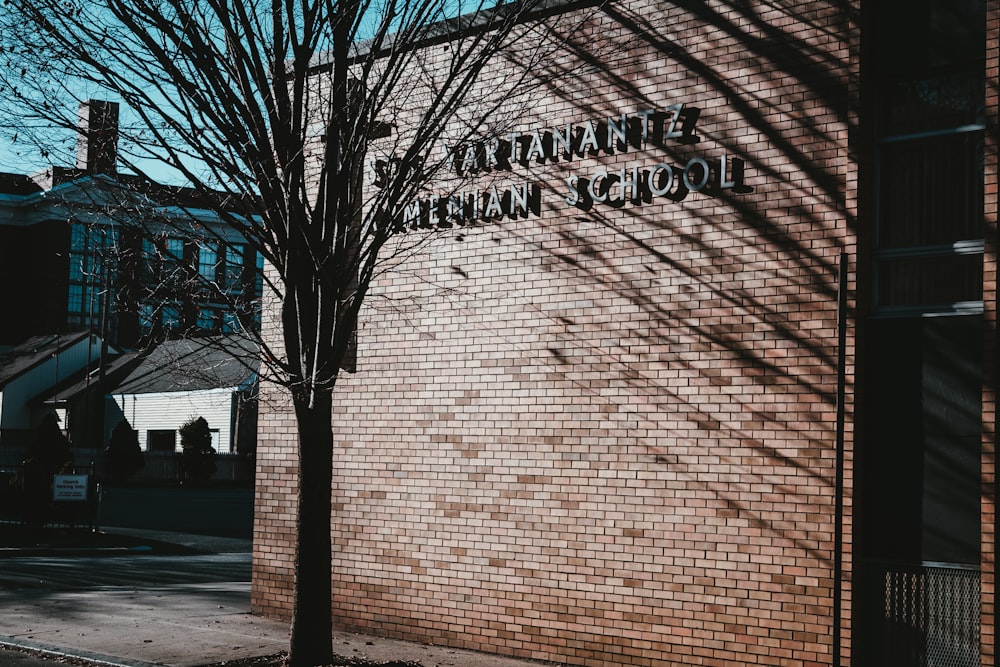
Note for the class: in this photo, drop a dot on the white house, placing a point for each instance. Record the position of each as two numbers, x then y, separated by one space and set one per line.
34 368
180 380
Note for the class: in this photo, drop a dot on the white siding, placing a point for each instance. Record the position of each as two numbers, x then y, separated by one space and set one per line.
16 413
170 411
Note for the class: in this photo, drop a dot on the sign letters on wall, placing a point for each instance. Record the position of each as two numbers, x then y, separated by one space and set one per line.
633 184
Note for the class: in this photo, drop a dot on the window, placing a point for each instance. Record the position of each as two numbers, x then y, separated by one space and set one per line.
171 317
150 262
922 462
76 299
918 510
930 244
207 318
949 281
208 261
93 270
173 256
234 268
258 284
161 440
929 240
146 317
230 322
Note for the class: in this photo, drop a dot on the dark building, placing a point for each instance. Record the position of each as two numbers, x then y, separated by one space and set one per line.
90 249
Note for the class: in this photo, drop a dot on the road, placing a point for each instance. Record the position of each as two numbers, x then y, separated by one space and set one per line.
219 512
182 610
214 523
78 573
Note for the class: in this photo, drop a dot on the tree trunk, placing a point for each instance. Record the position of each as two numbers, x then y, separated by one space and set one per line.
312 617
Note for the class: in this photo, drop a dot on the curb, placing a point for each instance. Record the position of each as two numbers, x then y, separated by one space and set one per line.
33 552
59 652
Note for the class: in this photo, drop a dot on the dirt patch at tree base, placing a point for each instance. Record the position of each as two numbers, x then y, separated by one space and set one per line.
280 660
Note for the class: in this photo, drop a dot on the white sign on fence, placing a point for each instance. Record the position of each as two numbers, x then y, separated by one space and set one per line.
69 488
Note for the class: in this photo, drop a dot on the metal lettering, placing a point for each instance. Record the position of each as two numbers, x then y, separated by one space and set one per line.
723 183
630 184
471 160
518 199
686 176
563 140
492 148
494 204
411 215
672 132
474 198
592 191
433 209
655 178
588 139
513 137
619 132
536 147
456 208
645 123
574 197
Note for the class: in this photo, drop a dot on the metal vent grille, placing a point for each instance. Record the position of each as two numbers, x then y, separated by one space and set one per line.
929 616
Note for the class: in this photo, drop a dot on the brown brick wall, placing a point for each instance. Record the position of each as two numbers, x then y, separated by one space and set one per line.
607 436
988 462
276 485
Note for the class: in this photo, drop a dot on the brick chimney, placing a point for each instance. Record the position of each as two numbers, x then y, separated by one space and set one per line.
97 142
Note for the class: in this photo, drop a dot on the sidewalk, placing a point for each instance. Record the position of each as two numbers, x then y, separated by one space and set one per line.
173 625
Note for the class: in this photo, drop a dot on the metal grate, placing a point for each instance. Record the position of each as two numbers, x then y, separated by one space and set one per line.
924 616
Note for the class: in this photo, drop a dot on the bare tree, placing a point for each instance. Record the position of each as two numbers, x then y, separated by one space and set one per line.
282 104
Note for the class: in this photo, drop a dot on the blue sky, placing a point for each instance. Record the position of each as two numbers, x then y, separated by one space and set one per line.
36 147
25 154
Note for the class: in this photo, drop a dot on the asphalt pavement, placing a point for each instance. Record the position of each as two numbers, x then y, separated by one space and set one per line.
171 599
212 512
184 605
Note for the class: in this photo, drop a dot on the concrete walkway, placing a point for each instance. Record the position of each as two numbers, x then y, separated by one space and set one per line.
174 624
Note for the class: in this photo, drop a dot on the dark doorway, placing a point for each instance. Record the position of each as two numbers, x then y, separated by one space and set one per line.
920 522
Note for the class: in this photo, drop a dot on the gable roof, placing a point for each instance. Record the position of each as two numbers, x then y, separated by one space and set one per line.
194 364
33 352
89 379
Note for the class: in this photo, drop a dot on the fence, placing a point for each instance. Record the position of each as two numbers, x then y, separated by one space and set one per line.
159 468
33 497
166 467
72 500
922 615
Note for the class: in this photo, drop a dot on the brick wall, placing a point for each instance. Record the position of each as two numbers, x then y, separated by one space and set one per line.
607 435
988 462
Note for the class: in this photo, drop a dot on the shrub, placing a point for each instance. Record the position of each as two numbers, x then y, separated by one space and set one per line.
50 449
197 453
123 457
49 454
